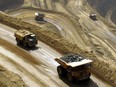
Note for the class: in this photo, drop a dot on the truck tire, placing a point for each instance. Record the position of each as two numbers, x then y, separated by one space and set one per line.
89 76
61 71
70 77
18 41
24 44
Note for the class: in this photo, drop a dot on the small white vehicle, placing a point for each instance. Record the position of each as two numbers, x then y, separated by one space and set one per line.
39 17
93 16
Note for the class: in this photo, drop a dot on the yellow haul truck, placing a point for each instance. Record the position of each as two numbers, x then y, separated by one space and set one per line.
25 38
74 66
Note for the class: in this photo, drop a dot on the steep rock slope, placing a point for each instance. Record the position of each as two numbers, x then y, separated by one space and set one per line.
106 8
8 4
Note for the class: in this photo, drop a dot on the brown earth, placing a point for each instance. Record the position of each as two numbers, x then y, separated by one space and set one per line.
106 8
104 69
10 79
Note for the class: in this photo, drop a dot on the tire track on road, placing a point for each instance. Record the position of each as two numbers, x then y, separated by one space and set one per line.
10 64
39 76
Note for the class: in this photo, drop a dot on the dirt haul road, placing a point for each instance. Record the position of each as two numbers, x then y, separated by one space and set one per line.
95 29
37 66
87 84
66 27
32 68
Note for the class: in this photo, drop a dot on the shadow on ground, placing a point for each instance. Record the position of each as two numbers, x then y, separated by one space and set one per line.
28 48
84 83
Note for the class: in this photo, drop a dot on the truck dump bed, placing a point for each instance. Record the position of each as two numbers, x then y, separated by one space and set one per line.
21 33
72 60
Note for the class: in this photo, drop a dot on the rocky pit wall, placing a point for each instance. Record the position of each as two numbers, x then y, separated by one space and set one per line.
106 70
104 15
10 4
106 8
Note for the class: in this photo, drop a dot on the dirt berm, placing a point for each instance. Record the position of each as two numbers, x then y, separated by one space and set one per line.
105 69
9 79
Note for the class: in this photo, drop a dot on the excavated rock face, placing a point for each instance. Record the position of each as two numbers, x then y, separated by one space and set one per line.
8 4
105 8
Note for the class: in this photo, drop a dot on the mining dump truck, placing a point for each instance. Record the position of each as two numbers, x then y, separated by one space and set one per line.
93 16
74 66
39 17
25 38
